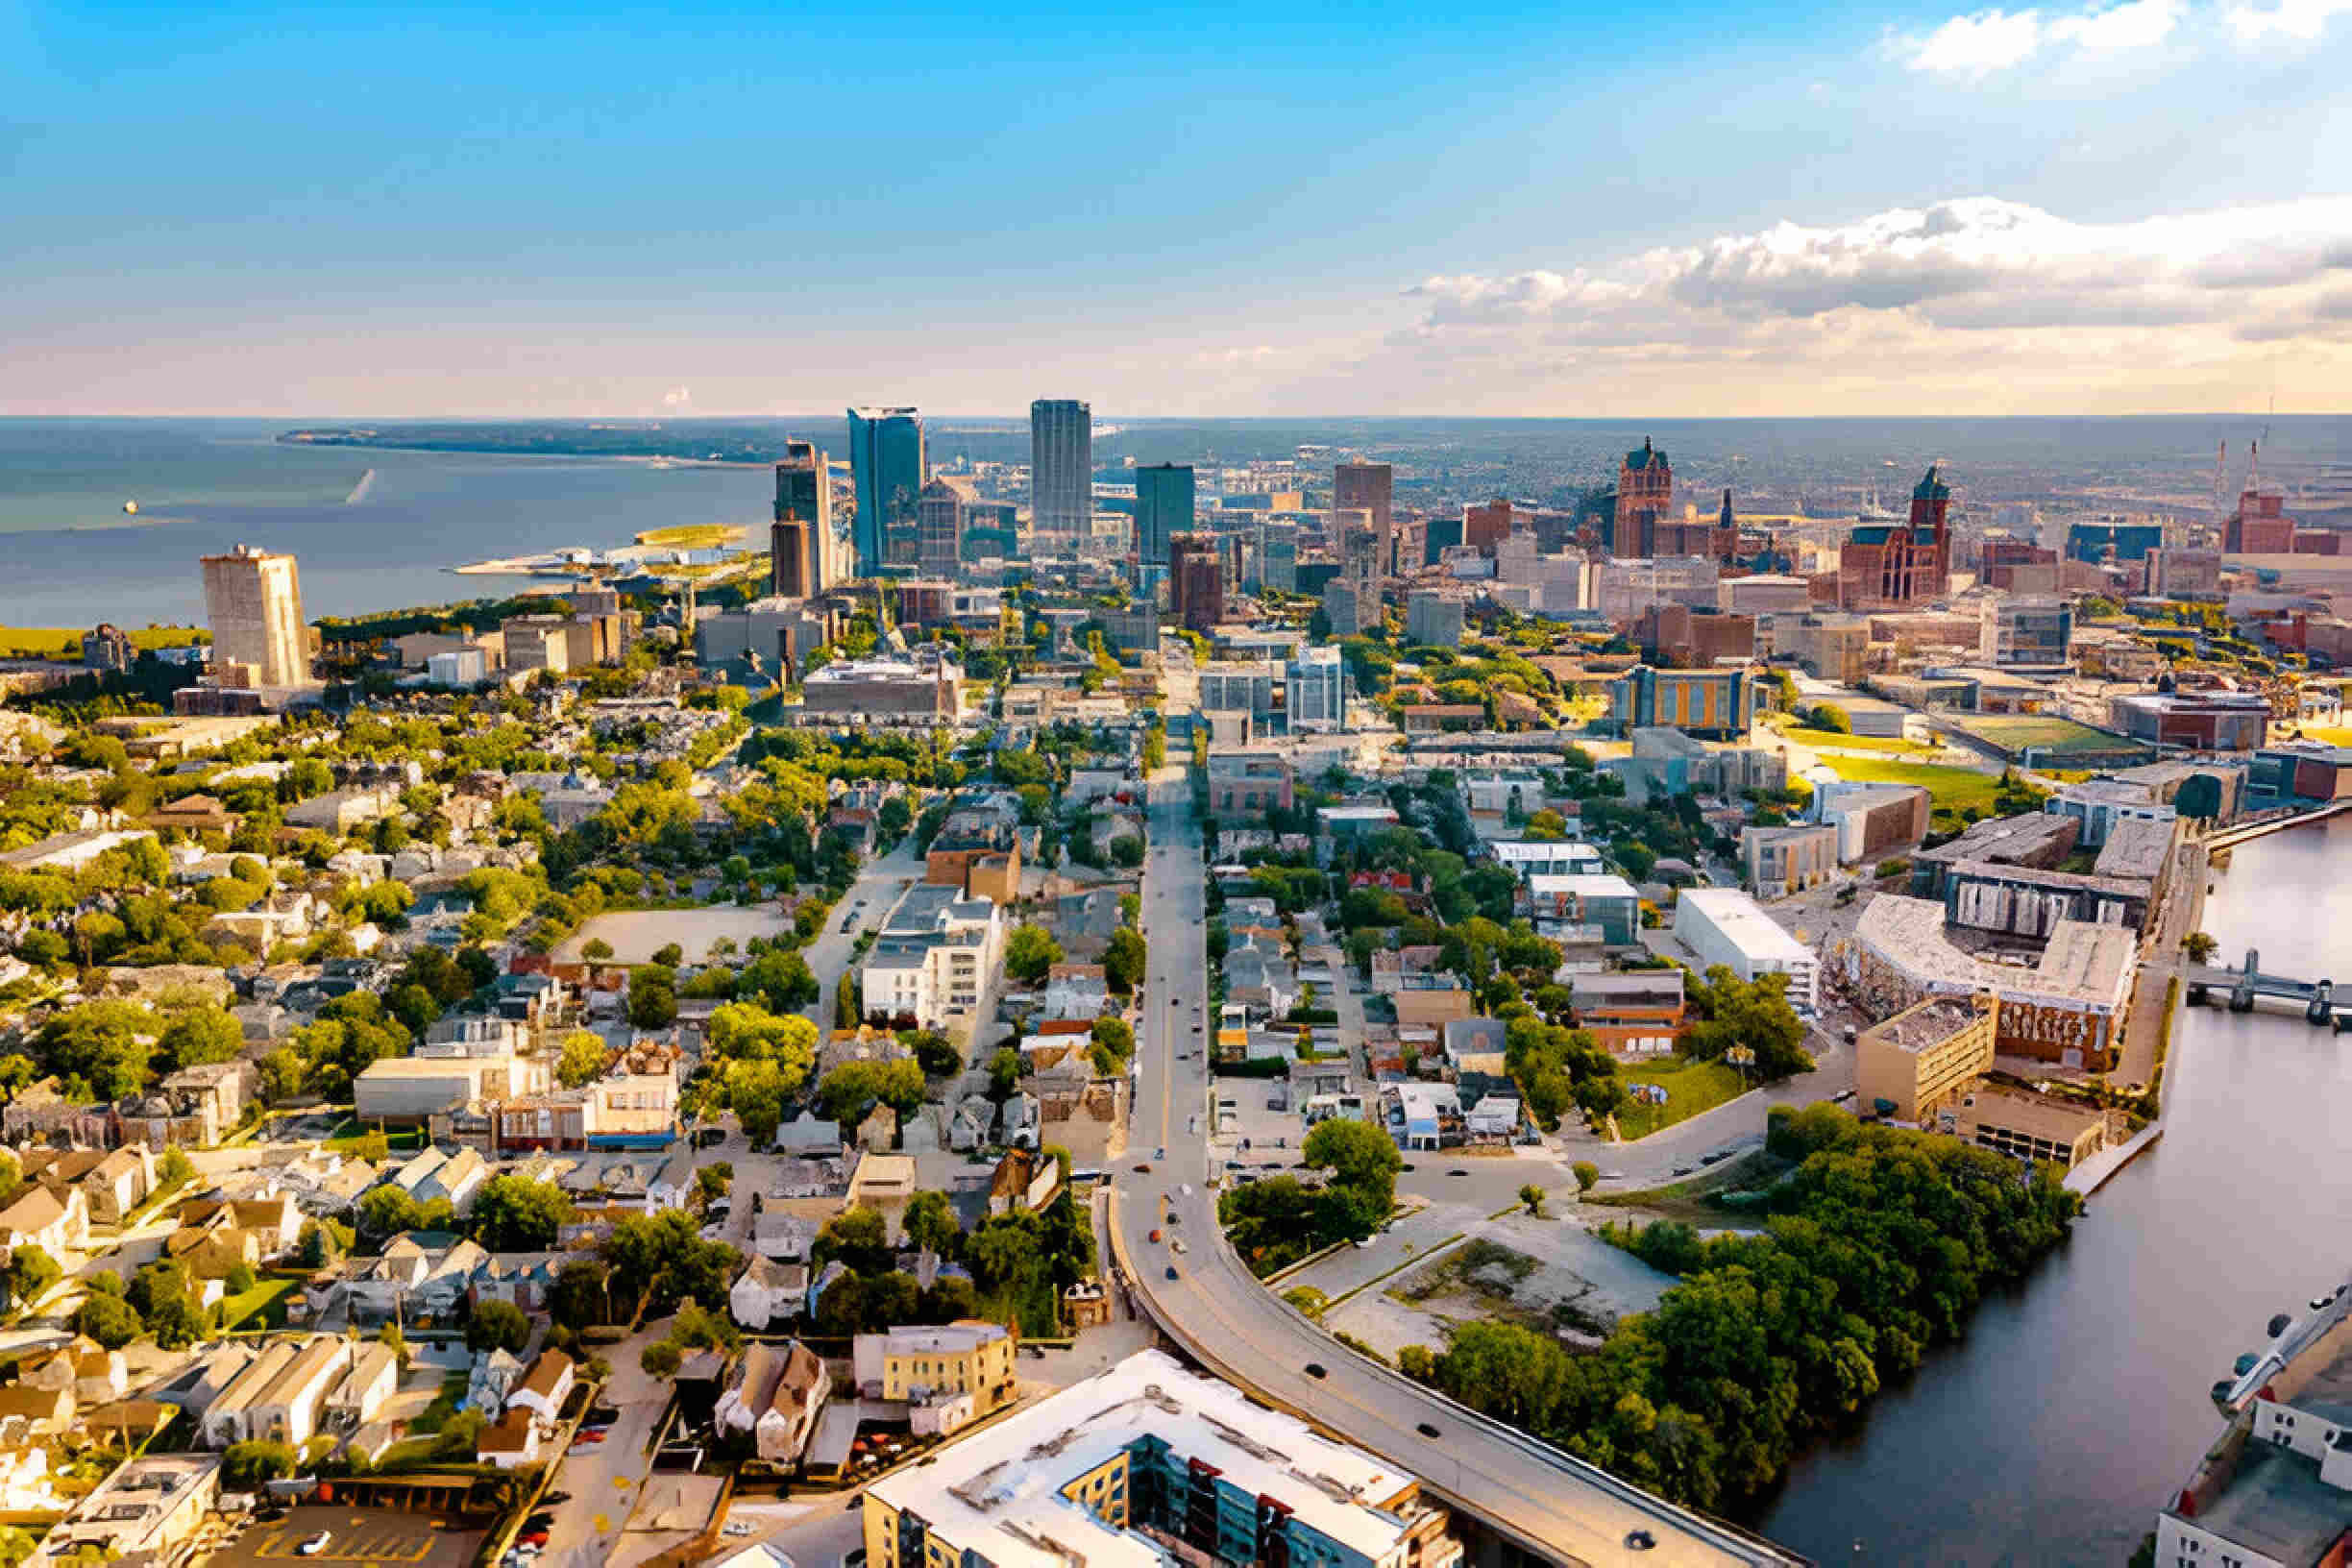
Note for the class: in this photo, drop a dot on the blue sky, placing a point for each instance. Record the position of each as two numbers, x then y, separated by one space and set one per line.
366 210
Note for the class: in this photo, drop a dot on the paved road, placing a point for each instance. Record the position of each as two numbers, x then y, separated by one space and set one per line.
879 882
1553 1505
603 1478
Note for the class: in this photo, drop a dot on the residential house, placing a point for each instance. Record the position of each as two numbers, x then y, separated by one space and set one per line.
544 1387
675 1184
287 1408
55 1223
950 1375
491 1378
275 1223
750 1392
372 1378
767 1293
522 1279
800 1391
511 1440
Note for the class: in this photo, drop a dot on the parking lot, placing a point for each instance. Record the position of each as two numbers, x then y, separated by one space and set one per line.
389 1536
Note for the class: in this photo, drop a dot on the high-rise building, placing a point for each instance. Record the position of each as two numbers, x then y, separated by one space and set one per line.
252 602
1316 695
1061 471
1196 581
887 468
1645 492
940 515
1367 487
1164 509
1486 526
800 542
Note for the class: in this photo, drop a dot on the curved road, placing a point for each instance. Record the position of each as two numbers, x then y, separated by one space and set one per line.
1553 1506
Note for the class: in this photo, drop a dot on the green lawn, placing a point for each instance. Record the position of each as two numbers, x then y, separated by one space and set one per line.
351 1132
263 1307
1691 1087
2013 732
65 642
1950 789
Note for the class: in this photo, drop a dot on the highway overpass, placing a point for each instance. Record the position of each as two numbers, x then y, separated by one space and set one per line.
1550 1504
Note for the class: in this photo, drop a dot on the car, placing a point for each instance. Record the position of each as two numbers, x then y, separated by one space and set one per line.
1682 1170
2321 1303
1315 1369
532 1537
1155 1234
1407 1167
588 1439
1364 1242
602 1415
1612 1175
553 1498
1710 1157
1160 1153
1457 1171
737 1526
1185 1187
316 1544
710 1138
1178 1245
1142 1170
539 1521
1171 1272
1426 1429
270 1511
848 920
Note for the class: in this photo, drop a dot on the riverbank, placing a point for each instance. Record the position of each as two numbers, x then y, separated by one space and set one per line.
2077 1399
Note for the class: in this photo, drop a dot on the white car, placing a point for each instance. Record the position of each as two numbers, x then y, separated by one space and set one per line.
316 1544
736 1527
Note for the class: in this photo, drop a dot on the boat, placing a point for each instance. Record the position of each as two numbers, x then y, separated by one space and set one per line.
130 509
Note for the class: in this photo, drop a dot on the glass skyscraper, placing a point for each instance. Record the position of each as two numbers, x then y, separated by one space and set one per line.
1061 471
1164 509
887 470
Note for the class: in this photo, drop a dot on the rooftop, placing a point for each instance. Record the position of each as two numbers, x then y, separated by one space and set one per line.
1930 1024
998 1491
2277 1505
1743 921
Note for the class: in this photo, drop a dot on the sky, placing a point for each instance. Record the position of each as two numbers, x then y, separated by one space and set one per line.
366 210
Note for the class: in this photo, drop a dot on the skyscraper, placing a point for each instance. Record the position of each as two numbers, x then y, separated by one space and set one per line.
1645 492
1196 581
940 514
1164 509
800 542
1366 487
1061 471
252 602
886 468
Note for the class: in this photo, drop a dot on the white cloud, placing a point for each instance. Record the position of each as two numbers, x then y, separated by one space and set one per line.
2302 20
677 396
1983 42
1976 45
1914 300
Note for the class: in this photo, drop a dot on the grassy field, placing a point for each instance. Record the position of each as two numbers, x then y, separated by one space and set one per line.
694 536
263 1307
65 642
1950 789
2058 737
1816 738
1691 1087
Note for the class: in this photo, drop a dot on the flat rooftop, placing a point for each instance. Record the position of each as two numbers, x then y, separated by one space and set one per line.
1930 1023
2277 1505
1744 923
1000 1491
2005 840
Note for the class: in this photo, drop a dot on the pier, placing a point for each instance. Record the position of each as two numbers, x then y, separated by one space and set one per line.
2244 985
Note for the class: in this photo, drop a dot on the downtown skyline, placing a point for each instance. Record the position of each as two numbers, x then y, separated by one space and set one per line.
1924 209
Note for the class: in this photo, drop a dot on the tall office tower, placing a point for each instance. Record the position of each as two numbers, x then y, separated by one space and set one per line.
252 602
887 469
940 517
1164 509
800 542
1359 543
1645 492
1061 471
1196 581
1365 487
1316 695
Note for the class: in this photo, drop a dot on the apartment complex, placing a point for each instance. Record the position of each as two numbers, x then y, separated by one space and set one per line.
930 966
1147 1465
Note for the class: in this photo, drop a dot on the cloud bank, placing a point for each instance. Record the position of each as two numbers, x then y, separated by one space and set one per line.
1978 44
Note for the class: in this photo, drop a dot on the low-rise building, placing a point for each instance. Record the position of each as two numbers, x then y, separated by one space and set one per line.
147 1511
2067 1005
1723 925
2025 1126
1632 1013
1609 903
1777 862
1873 820
1907 1065
950 1375
933 962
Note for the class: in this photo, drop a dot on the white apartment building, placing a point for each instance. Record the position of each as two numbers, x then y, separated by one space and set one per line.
1723 925
934 958
1546 857
1317 690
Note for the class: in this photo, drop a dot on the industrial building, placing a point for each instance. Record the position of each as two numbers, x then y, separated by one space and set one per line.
1723 925
2067 1005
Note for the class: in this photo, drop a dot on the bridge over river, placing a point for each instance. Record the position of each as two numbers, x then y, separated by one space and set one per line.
2246 984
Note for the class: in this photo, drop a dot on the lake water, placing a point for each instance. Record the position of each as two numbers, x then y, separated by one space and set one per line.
69 556
2078 1400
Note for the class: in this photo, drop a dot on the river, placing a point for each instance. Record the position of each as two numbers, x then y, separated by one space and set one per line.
2078 1400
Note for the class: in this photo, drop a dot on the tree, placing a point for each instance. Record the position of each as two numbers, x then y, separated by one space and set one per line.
201 1035
660 1359
1125 959
1359 1155
176 1322
577 1298
239 1279
2199 947
651 1004
1127 851
930 1222
1587 1175
595 950
857 1236
514 1214
1004 1072
747 1031
388 1211
1828 717
1030 951
108 1319
949 1298
583 1059
175 1168
246 1466
934 1052
850 1092
1532 1197
782 981
498 1325
29 1272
